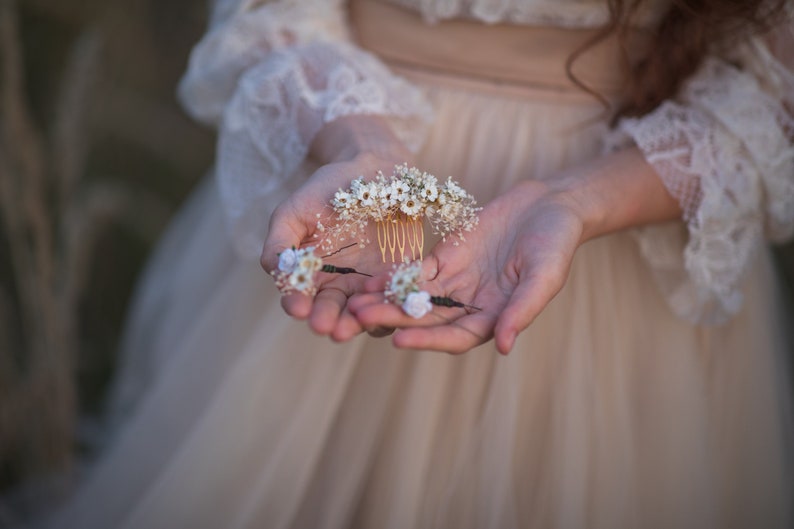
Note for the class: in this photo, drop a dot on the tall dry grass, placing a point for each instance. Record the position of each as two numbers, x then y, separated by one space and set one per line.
68 203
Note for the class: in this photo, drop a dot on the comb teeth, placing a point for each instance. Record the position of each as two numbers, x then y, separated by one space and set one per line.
398 233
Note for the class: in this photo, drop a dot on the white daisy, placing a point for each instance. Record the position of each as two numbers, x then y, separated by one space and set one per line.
400 190
343 200
411 206
309 263
366 194
430 192
301 281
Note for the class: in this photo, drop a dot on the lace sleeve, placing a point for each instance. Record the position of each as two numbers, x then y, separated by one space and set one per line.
725 150
269 77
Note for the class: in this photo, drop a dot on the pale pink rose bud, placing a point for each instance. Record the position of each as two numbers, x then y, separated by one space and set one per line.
287 260
417 304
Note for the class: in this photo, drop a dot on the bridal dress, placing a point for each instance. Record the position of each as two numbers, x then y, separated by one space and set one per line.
652 392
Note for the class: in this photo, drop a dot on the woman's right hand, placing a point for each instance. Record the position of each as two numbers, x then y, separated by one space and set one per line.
350 147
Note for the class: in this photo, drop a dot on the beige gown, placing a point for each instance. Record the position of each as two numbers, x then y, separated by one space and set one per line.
611 412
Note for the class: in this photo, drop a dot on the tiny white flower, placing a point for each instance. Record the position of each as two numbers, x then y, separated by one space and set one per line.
417 304
454 189
404 279
411 206
307 261
301 281
343 200
449 210
287 260
430 192
400 190
366 194
429 180
386 194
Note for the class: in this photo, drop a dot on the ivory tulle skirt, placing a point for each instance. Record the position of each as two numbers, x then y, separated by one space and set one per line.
609 413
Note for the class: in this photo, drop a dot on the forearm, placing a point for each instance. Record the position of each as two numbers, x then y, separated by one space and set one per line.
618 191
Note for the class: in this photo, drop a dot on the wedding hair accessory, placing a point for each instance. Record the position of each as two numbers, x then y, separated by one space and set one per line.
297 267
398 204
403 289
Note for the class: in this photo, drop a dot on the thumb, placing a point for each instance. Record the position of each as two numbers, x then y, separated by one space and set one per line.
529 298
285 231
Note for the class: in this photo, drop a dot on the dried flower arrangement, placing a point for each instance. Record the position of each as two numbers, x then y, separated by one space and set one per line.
297 267
403 289
398 204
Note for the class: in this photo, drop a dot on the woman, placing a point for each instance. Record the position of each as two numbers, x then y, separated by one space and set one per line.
617 407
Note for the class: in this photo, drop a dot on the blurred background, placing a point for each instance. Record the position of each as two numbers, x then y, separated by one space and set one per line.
95 157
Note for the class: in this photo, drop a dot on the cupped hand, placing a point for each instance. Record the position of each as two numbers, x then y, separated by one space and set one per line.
509 268
294 223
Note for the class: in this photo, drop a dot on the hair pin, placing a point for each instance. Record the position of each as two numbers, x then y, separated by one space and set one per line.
403 289
297 267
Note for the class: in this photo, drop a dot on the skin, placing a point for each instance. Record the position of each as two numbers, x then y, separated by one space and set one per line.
347 147
511 266
519 256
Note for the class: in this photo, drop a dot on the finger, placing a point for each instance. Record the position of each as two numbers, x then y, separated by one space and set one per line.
328 305
359 301
286 230
390 315
380 281
455 337
430 268
346 328
297 305
527 300
377 283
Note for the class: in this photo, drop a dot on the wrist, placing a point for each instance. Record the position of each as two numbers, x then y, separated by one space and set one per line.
573 192
615 192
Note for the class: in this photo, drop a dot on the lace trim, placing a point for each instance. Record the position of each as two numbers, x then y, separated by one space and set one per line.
238 40
725 153
279 107
556 13
271 74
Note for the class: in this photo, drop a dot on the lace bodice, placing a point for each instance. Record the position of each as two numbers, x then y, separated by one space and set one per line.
560 13
270 74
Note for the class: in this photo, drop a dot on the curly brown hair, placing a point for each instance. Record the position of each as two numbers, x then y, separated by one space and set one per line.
686 33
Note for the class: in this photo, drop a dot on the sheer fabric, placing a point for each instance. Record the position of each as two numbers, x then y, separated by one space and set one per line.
271 75
559 13
611 412
725 150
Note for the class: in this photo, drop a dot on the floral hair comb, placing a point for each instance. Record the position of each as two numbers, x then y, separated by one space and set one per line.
398 204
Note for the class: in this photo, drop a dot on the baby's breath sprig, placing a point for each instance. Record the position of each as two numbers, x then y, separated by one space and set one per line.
398 204
297 266
403 289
